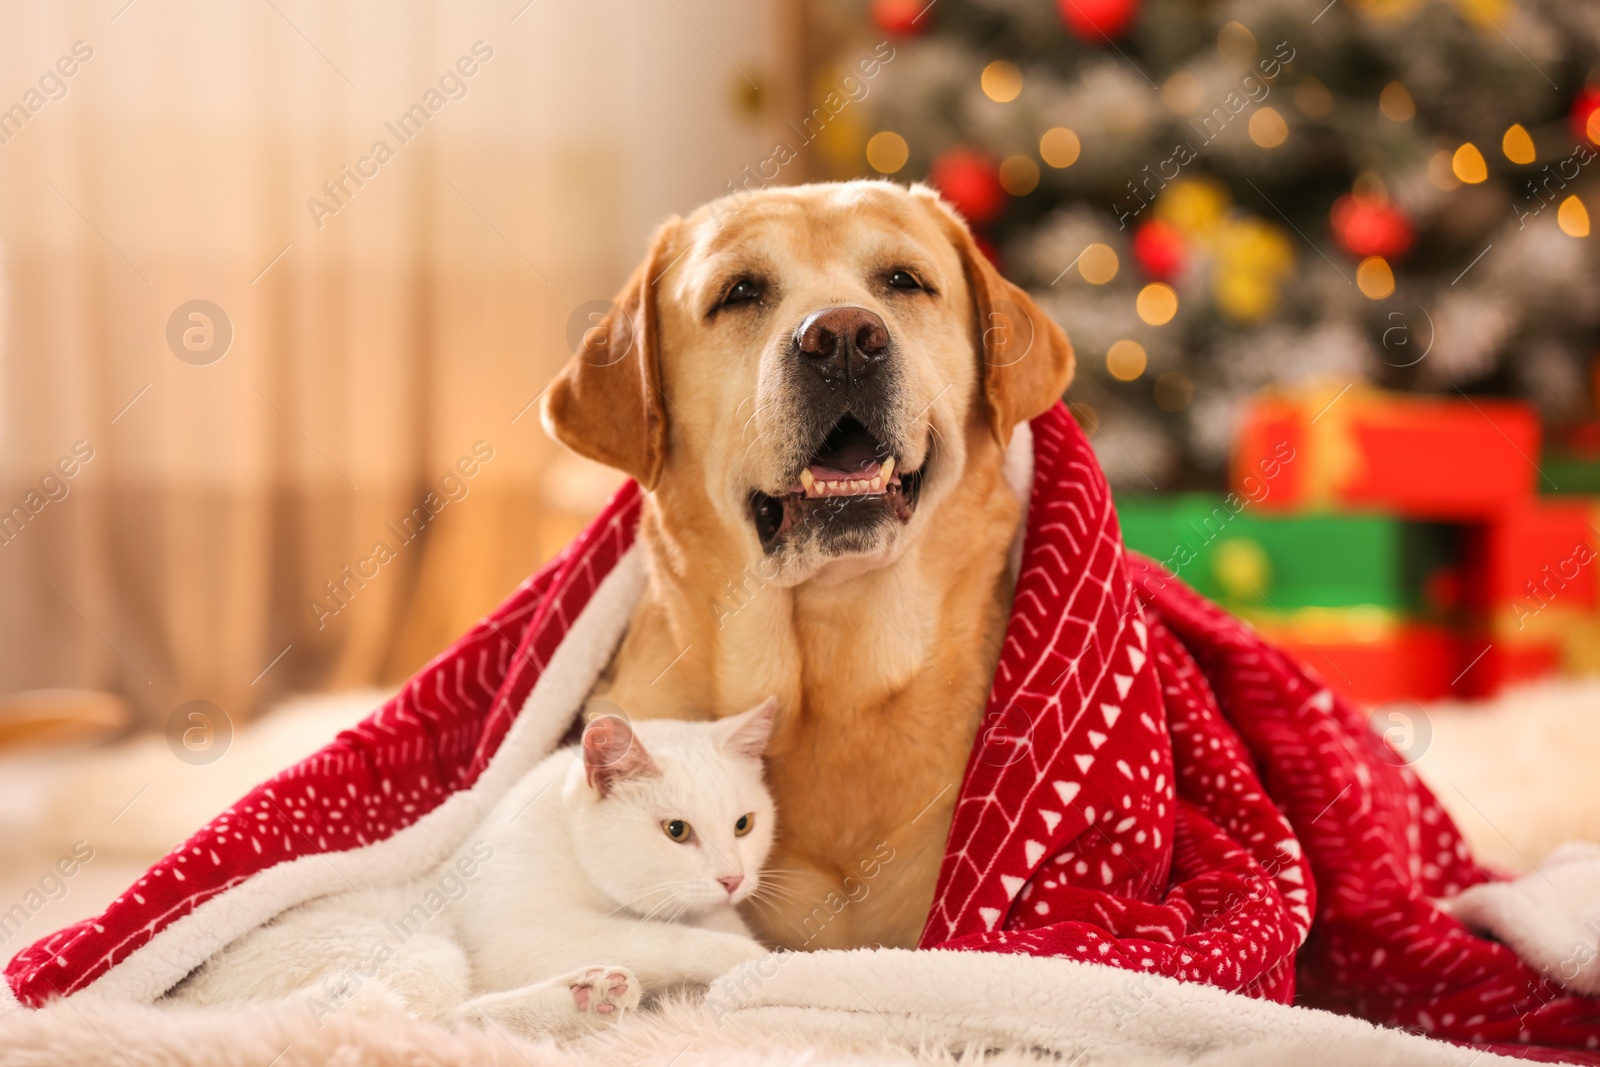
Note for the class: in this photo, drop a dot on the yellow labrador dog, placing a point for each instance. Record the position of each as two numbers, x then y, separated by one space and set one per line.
816 386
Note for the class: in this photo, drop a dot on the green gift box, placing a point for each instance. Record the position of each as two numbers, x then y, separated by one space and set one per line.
1248 559
1563 472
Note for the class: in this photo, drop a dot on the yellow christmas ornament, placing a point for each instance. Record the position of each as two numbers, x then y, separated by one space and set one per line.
1241 567
1194 205
1253 258
1242 296
1257 246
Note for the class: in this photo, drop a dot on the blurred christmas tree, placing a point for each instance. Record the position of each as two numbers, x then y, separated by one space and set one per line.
1216 197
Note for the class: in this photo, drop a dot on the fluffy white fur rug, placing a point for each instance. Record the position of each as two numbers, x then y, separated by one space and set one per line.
1517 773
681 1033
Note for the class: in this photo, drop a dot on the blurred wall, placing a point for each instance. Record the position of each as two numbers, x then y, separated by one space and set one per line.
396 210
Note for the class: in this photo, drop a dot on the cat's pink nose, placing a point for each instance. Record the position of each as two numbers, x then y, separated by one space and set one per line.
732 882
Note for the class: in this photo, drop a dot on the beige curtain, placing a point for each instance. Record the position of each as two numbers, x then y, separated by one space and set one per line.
395 209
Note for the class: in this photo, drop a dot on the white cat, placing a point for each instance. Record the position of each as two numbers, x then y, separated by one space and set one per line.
633 847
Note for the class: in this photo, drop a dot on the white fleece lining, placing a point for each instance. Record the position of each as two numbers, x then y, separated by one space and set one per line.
1550 918
162 962
1017 469
1074 1009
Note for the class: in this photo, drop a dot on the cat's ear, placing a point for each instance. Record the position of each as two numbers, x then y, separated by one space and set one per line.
747 733
612 753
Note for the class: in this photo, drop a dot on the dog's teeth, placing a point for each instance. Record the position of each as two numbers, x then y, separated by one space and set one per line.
836 486
887 470
855 485
877 483
807 479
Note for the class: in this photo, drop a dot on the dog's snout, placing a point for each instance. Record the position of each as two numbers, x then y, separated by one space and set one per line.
842 344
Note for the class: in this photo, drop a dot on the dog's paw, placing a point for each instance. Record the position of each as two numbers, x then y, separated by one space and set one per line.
603 993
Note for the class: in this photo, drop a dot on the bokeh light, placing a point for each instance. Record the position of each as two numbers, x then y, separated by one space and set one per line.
1126 360
1002 81
1098 264
887 152
1157 303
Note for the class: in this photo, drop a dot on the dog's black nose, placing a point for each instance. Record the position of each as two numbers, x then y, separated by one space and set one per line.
844 345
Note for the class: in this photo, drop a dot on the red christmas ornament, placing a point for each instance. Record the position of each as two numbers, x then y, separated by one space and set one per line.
1368 227
1583 109
902 18
970 181
1159 250
1096 20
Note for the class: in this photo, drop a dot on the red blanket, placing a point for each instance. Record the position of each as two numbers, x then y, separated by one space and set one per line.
1153 788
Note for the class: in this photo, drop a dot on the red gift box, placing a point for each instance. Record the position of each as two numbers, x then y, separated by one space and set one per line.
1495 661
1534 557
1371 660
1422 458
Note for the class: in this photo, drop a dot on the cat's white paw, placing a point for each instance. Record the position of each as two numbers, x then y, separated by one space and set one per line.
734 951
603 993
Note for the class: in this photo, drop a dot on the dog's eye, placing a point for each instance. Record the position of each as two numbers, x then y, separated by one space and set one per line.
676 829
744 291
904 279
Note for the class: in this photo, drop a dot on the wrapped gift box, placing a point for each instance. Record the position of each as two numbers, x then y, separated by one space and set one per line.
1371 659
1428 458
1244 558
1536 556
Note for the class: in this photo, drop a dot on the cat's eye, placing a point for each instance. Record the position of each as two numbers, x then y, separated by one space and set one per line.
676 829
746 823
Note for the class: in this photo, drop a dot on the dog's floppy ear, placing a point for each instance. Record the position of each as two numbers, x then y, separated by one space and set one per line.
1027 359
607 403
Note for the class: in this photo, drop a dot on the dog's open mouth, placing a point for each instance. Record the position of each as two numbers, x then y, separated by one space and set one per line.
853 476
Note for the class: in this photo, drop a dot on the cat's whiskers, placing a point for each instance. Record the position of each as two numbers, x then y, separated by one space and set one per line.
659 913
660 887
776 894
779 879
